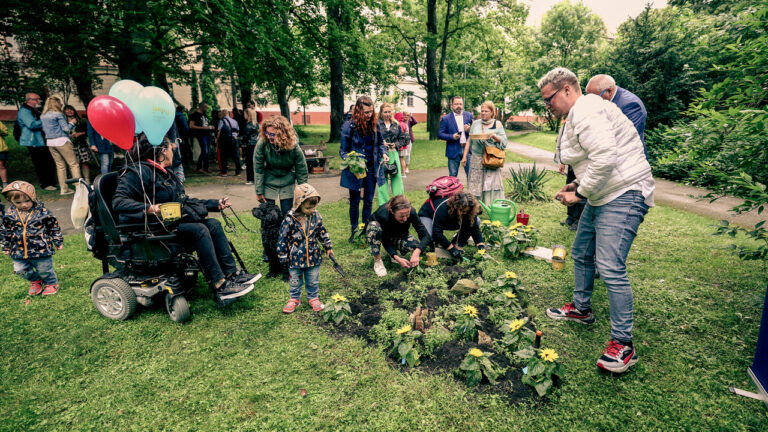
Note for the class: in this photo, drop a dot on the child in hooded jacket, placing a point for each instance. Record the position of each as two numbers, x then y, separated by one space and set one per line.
30 235
298 247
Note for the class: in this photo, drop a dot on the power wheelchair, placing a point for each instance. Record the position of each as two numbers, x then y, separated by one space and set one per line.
150 263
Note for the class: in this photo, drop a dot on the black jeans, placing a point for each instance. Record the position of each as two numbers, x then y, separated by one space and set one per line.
249 162
369 191
210 243
228 150
44 166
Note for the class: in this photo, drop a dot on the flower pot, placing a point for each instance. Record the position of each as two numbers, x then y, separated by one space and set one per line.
558 264
431 259
559 252
523 218
361 175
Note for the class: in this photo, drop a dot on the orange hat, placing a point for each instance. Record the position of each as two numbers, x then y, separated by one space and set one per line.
21 186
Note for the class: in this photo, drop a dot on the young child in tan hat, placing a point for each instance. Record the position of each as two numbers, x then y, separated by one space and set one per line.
298 247
30 233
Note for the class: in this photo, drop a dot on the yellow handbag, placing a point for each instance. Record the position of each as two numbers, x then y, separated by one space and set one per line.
493 157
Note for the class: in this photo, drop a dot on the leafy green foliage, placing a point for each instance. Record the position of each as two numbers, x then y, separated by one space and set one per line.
527 184
541 369
337 310
383 332
403 346
476 365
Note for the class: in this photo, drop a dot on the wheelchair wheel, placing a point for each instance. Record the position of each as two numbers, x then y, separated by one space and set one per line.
113 298
177 307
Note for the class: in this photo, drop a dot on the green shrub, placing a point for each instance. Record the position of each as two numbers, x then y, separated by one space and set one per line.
434 338
527 184
382 333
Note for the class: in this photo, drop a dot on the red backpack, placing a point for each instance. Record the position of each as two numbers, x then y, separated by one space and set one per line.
444 187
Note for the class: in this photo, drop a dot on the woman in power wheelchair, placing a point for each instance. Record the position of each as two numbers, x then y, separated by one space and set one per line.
146 185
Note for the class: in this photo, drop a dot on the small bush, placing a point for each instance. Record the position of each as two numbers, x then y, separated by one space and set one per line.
382 333
435 338
527 184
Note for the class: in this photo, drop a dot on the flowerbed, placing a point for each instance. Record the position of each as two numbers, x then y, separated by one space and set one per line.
448 319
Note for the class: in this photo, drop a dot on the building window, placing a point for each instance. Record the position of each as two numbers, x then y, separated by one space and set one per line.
409 99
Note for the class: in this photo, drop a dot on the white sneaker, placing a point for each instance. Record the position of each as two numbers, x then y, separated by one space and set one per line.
406 171
378 267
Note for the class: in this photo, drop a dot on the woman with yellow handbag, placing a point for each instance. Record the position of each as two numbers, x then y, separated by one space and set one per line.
487 139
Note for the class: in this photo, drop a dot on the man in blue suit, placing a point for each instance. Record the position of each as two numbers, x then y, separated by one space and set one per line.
454 130
631 105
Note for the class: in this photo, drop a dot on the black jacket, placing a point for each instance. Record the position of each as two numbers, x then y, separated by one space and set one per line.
442 220
143 184
391 229
394 134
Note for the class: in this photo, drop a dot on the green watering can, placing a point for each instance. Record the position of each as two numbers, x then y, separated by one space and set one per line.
501 210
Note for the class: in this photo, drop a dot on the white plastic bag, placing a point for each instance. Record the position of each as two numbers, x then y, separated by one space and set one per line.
79 212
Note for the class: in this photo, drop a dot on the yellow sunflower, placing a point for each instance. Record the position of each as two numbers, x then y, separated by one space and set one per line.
471 311
404 329
339 298
496 223
474 352
516 325
510 294
361 226
481 252
548 355
513 233
510 275
486 222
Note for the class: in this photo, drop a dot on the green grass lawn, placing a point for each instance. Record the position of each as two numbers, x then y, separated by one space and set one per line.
425 154
697 313
542 140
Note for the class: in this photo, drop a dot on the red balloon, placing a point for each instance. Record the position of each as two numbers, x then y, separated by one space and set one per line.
113 120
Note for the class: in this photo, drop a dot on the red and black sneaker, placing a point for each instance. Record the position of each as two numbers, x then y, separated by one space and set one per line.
617 357
570 313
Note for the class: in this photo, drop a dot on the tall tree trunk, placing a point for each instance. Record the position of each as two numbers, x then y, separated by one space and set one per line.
336 64
84 90
434 92
281 89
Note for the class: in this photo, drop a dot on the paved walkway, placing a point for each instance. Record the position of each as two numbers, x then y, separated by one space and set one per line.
667 193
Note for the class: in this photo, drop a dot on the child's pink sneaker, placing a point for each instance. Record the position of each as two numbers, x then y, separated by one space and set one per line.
35 287
51 289
316 305
291 305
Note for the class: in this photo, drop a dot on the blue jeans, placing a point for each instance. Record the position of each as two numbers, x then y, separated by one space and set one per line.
285 204
603 240
310 277
454 164
105 160
35 269
369 191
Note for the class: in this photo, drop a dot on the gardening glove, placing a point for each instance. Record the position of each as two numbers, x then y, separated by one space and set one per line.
456 253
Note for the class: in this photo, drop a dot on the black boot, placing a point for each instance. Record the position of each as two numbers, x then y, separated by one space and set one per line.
352 235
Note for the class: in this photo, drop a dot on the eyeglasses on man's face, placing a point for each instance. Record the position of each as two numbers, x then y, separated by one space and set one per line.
603 92
548 100
270 134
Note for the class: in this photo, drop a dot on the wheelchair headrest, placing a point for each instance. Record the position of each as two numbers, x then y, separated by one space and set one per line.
104 187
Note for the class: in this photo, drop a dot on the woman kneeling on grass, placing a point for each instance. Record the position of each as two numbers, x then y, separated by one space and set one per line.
456 213
389 227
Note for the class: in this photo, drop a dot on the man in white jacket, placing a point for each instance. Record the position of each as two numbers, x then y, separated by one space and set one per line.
614 177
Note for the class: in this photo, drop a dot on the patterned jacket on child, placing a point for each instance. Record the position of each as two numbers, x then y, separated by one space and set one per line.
299 242
35 236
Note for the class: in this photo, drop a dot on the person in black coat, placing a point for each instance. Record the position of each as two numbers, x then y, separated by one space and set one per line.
389 227
457 213
147 183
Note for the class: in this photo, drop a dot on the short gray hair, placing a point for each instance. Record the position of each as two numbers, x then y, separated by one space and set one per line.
602 82
558 77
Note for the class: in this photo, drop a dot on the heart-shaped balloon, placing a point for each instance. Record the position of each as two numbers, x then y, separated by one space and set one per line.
126 90
113 120
155 112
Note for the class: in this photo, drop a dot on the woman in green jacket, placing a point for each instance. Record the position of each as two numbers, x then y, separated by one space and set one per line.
278 163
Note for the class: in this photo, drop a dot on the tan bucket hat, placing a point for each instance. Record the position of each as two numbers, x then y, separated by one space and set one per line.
21 186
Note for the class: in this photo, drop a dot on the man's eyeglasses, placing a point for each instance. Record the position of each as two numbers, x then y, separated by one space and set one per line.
548 100
603 92
269 134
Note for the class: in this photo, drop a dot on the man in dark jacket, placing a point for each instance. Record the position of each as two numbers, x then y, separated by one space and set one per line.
147 184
